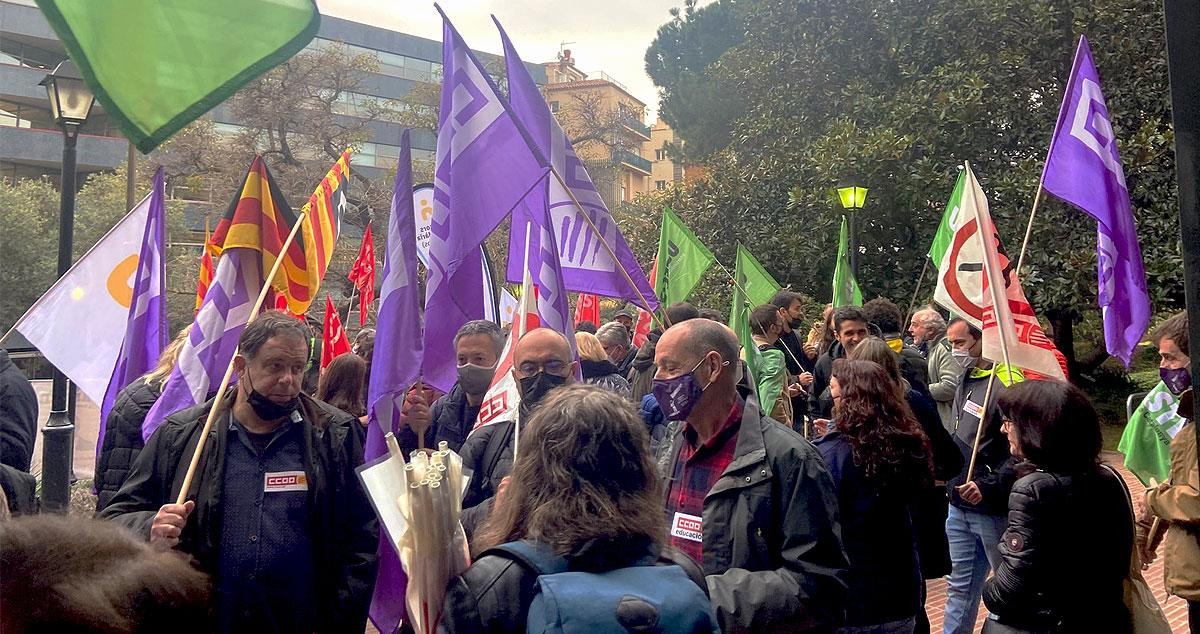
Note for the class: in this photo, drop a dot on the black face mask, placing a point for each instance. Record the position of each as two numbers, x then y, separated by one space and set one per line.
533 388
267 409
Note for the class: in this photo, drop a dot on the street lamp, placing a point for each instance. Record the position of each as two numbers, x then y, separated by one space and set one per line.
70 103
853 198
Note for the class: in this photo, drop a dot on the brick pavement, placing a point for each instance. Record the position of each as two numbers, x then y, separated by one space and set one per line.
1174 607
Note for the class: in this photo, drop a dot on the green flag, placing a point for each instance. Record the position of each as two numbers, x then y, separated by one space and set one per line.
845 287
945 232
1146 441
156 65
682 260
754 287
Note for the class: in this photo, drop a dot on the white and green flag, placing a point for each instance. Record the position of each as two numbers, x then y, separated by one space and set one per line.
1146 442
845 287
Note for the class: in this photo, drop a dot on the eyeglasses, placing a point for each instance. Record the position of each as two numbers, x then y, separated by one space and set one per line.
553 366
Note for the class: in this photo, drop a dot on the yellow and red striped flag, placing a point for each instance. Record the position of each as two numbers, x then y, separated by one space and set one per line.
323 224
206 270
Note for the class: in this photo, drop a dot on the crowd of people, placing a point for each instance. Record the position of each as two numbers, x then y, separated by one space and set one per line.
816 490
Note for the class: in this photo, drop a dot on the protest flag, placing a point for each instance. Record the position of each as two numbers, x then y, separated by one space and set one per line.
395 365
146 329
204 279
333 336
587 308
484 168
642 325
752 287
682 260
1084 169
322 226
595 257
90 303
157 66
503 398
362 274
1146 441
845 285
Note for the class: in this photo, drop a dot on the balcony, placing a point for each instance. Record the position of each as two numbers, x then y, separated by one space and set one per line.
633 125
632 161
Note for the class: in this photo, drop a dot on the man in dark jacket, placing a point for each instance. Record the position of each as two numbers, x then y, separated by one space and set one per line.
275 514
477 346
641 374
541 362
799 365
746 496
18 415
123 437
849 329
618 346
886 316
979 508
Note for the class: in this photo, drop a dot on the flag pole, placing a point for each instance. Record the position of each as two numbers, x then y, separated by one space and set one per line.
913 302
600 237
1029 227
212 412
746 296
520 326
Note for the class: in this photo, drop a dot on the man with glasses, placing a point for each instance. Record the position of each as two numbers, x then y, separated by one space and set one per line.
541 362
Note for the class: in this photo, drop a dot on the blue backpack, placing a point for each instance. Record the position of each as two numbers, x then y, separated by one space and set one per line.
644 598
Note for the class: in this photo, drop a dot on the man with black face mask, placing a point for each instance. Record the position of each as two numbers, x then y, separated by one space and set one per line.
541 362
275 514
748 498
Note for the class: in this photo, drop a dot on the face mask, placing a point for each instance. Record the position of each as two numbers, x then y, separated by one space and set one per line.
267 409
1177 380
963 358
475 379
677 396
533 388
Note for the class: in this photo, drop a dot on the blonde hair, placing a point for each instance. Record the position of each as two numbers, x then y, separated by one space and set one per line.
590 347
168 358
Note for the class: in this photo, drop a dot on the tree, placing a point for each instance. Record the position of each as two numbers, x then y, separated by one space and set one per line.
894 96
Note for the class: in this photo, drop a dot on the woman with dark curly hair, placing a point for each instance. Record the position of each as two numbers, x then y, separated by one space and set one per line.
880 461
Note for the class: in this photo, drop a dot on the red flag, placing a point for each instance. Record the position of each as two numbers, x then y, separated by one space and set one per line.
333 339
641 328
587 308
206 271
362 273
504 396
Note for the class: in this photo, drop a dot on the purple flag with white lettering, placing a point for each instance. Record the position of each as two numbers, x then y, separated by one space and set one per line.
587 265
1084 169
214 336
485 167
545 268
146 328
394 367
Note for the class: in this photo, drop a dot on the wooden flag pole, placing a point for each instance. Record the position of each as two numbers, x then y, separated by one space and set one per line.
913 302
212 411
603 242
987 401
1029 227
519 328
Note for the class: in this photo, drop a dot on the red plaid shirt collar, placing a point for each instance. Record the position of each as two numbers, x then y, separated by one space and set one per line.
696 472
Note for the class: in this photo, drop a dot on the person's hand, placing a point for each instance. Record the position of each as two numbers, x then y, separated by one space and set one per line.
969 493
810 351
500 492
168 524
416 412
794 390
806 378
820 427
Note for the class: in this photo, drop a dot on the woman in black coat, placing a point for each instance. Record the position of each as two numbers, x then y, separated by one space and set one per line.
1066 551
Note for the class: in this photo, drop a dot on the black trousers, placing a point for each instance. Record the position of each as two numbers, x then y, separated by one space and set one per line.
1194 616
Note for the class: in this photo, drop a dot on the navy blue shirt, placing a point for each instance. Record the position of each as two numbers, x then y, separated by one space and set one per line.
265 567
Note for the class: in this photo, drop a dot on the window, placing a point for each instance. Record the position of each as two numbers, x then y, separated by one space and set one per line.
554 107
660 184
660 155
623 193
391 64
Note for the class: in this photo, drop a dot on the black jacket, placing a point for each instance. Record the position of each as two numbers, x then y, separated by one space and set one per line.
18 415
627 362
123 437
344 530
772 543
488 453
820 403
641 372
797 363
993 465
494 594
604 374
1064 555
930 508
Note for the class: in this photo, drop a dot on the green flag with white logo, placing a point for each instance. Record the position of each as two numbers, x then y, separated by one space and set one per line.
845 287
1146 441
682 260
753 287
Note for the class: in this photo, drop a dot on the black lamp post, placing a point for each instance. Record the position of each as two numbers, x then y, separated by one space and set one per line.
70 103
853 198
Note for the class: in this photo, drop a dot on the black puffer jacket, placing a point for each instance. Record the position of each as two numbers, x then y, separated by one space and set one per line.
123 437
1064 555
18 415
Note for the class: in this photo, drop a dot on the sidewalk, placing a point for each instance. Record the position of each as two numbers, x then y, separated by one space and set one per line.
1174 607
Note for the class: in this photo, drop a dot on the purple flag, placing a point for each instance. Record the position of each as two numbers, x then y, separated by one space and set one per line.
214 336
545 268
394 367
484 168
1084 169
586 264
146 329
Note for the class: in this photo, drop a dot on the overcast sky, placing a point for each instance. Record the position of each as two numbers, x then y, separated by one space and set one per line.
609 35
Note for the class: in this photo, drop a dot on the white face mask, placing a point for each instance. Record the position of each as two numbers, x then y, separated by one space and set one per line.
963 358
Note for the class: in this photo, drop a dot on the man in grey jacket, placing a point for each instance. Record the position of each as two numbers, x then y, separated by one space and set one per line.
928 328
747 497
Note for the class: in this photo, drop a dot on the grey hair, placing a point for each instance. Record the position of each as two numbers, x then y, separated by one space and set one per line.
931 319
267 325
704 335
483 327
613 334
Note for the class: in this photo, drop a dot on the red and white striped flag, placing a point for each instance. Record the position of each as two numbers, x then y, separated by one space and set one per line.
504 396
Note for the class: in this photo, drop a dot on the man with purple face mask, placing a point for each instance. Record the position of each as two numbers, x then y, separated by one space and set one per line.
748 498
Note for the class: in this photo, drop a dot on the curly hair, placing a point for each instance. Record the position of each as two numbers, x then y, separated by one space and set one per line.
887 441
590 477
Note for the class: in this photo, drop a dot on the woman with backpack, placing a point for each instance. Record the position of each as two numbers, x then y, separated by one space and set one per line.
1066 553
880 461
578 532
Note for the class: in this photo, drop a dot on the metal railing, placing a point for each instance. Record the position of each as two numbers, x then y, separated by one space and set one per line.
632 160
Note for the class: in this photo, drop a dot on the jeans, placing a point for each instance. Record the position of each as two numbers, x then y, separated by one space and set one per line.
974 540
